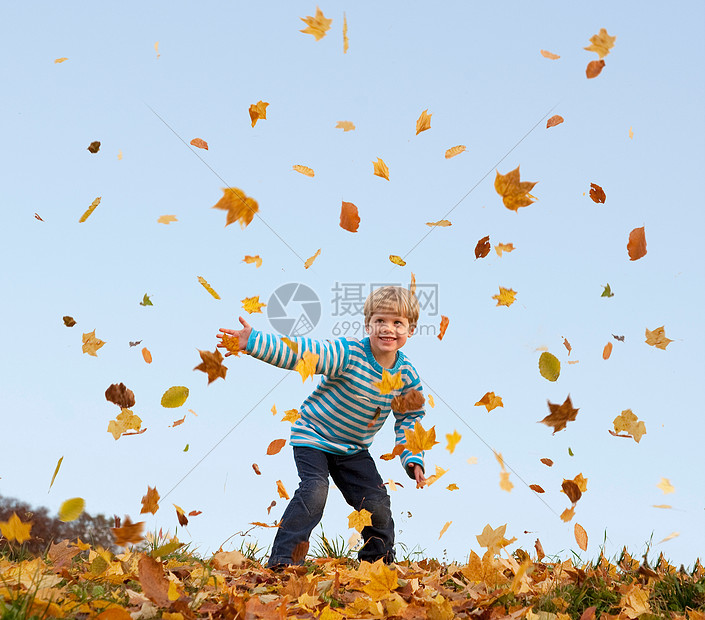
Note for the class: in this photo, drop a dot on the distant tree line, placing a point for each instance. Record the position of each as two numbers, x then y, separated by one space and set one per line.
45 528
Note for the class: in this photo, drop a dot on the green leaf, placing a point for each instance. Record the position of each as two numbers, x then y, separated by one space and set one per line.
166 549
146 301
607 292
186 448
570 452
549 366
71 509
175 396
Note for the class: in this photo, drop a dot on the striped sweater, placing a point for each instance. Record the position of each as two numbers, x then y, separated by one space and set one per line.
341 416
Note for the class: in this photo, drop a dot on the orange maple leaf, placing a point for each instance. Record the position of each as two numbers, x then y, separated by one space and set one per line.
150 502
257 111
129 533
424 122
514 193
389 382
212 365
306 366
419 439
252 304
491 401
657 338
506 296
349 217
240 207
359 519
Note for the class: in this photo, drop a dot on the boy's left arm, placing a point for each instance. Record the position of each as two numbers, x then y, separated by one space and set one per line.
409 409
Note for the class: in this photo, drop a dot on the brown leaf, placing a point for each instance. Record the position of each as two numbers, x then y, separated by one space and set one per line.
572 490
256 468
597 193
594 68
581 536
181 515
548 462
299 552
201 144
539 550
589 613
349 217
537 488
443 327
212 365
560 415
69 321
128 533
94 147
272 505
150 502
412 400
155 585
120 395
276 446
61 554
636 246
195 513
556 119
38 217
483 247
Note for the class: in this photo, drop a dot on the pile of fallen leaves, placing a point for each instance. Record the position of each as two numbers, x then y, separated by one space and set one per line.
74 580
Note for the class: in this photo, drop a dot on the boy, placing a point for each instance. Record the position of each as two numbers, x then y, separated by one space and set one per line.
340 419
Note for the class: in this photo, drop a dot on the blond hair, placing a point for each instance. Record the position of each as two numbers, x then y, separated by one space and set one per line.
392 299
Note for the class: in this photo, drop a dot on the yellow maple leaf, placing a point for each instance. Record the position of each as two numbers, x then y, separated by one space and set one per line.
657 338
346 43
635 602
291 415
329 613
382 581
439 223
418 440
666 486
504 483
514 193
455 150
208 287
358 519
628 422
493 539
434 478
389 382
15 529
281 490
306 366
240 207
90 210
444 529
256 260
601 43
257 111
380 169
503 247
91 344
505 297
490 401
309 261
424 122
252 304
345 125
291 344
452 487
452 439
231 344
317 25
305 170
166 219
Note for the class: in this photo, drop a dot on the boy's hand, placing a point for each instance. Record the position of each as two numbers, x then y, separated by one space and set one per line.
417 471
242 335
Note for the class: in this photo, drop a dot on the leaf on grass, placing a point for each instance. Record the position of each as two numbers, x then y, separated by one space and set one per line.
455 150
359 519
628 422
601 43
252 304
71 509
556 119
310 259
514 193
560 415
549 366
607 351
506 296
490 401
503 247
90 210
281 490
345 126
120 395
15 530
380 169
597 193
258 111
275 446
175 396
94 146
129 533
443 327
240 207
657 338
594 68
389 383
305 170
444 529
424 122
201 144
317 25
56 471
493 539
549 55
150 501
208 287
349 217
581 536
146 355
212 365
155 585
482 248
91 344
419 439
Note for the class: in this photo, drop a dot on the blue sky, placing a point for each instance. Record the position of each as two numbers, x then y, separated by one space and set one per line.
478 70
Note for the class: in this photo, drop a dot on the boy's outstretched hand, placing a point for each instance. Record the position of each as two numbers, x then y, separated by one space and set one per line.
417 471
242 335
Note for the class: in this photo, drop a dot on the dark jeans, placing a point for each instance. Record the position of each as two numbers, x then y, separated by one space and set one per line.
358 480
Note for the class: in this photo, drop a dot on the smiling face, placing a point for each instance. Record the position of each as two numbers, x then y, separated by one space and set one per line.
388 333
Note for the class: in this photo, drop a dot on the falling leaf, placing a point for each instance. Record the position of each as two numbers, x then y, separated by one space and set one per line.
91 344
306 365
418 440
601 43
412 400
125 421
628 422
275 446
380 169
620 338
568 514
443 327
256 469
291 415
146 355
240 208
305 170
56 471
560 415
317 26
181 515
671 536
349 217
90 210
571 489
129 533
443 223
493 539
556 119
666 486
281 490
424 122
359 519
345 126
36 216
150 501
514 193
258 111
15 529
597 193
549 55
536 488
662 506
444 529
69 321
310 259
581 536
548 462
454 150
121 395
119 155
175 396
506 296
607 351
156 48
94 147
657 338
146 301
566 344
346 43
256 260
60 60
71 509
607 291
490 401
594 68
389 382
570 452
431 401
212 365
452 439
503 247
483 247
631 133
549 366
208 287
453 487
135 343
294 347
178 422
472 460
201 144
252 304
397 260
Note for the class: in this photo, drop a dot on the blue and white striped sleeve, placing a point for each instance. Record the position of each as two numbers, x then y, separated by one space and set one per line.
333 355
